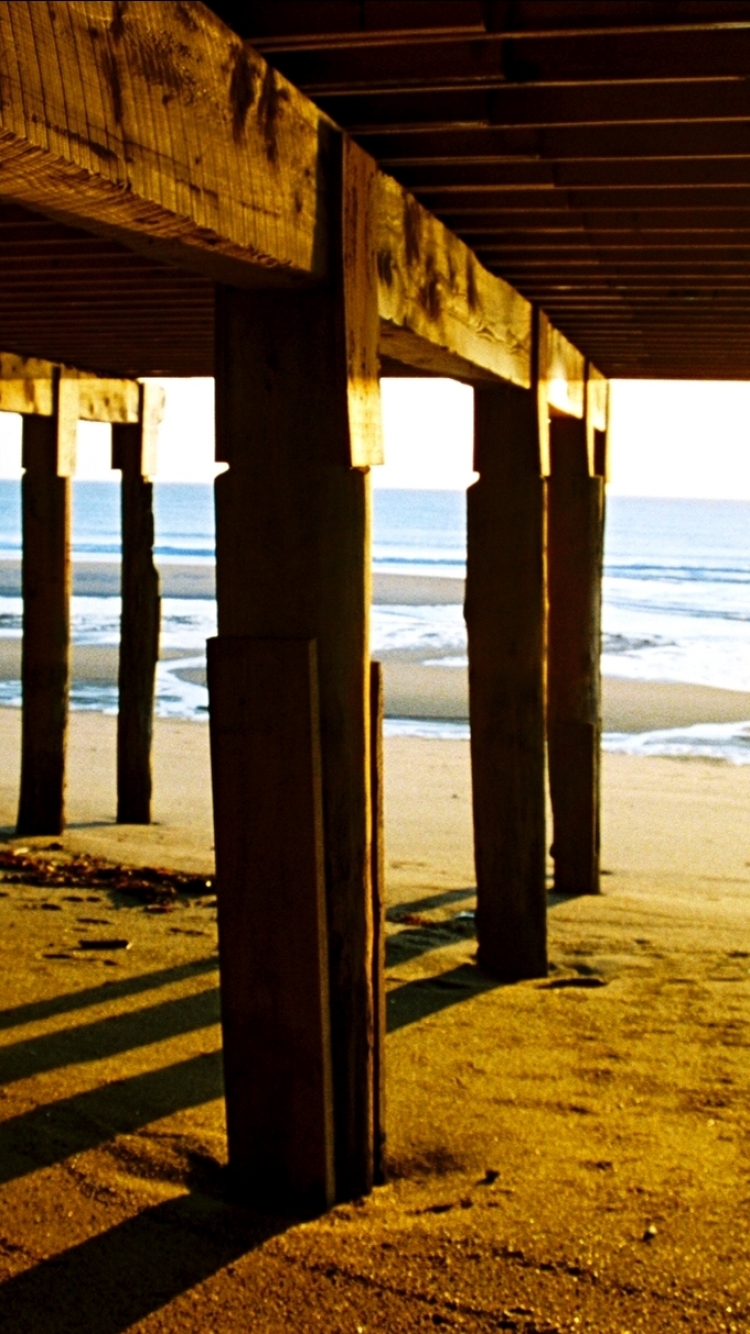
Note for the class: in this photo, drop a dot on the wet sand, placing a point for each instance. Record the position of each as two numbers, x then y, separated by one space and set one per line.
412 690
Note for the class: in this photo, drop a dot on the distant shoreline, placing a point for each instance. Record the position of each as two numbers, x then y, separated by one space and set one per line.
93 578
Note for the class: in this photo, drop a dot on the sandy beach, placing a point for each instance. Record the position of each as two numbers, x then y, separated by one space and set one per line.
568 1153
563 1154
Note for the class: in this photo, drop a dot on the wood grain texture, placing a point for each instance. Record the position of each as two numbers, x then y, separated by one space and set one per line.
157 124
67 403
292 551
45 664
139 630
268 815
27 387
440 310
597 422
575 533
562 370
505 619
362 325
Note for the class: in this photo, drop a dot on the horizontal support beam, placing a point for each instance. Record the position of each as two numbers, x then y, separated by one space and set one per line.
243 195
27 386
440 310
86 138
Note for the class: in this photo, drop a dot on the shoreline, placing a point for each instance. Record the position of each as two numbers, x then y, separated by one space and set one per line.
413 690
440 694
197 579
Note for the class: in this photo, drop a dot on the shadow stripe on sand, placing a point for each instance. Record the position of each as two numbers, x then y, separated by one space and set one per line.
54 1131
35 1011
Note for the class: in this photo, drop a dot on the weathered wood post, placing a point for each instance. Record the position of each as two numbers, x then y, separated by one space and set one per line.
377 713
575 510
133 452
49 445
505 618
298 415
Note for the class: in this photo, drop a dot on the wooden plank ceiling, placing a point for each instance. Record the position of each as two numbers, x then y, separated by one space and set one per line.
83 299
596 155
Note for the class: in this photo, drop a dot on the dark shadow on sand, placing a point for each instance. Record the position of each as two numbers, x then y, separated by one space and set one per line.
415 941
55 1131
109 1037
448 896
429 995
110 1282
34 1011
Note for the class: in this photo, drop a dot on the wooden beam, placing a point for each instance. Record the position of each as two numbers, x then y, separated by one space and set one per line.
440 310
505 618
243 195
93 93
27 386
45 664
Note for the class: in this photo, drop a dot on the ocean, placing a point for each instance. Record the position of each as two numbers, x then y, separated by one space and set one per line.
676 596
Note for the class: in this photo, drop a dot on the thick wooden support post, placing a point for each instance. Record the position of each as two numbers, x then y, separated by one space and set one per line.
505 617
139 630
575 509
265 752
292 550
45 664
377 711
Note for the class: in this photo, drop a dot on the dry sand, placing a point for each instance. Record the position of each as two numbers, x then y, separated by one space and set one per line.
565 1154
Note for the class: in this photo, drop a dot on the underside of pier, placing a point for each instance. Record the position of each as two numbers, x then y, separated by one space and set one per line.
299 199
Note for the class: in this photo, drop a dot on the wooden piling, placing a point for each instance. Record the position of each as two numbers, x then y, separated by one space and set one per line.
505 617
575 526
292 552
265 754
139 630
45 661
377 710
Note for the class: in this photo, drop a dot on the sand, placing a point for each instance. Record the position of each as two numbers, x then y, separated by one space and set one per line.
568 1153
412 690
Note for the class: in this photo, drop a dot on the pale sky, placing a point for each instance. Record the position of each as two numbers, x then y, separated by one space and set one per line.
667 438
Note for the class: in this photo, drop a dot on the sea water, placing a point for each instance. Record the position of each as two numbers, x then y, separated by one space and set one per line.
676 595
